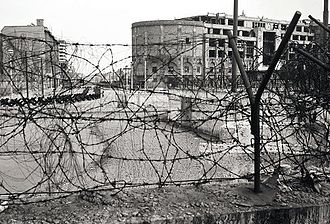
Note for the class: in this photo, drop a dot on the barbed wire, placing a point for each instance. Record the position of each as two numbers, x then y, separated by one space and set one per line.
63 133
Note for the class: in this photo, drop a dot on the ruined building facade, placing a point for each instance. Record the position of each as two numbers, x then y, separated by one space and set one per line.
30 59
195 50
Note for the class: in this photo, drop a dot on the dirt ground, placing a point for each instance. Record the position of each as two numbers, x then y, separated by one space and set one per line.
149 204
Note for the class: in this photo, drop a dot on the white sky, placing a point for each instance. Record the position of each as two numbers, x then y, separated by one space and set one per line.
106 21
109 22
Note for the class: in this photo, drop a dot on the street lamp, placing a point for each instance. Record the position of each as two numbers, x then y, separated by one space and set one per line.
11 53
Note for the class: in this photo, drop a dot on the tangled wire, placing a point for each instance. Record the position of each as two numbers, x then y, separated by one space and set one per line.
76 133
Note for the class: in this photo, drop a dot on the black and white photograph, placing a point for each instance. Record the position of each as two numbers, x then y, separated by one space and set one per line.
161 112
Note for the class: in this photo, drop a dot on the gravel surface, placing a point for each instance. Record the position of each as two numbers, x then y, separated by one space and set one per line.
151 204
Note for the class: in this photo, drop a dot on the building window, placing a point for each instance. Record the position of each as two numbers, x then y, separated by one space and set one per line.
299 28
212 53
302 37
230 22
306 29
275 26
310 38
222 21
187 40
249 49
269 47
230 55
212 42
221 54
208 30
283 26
295 37
186 69
216 31
240 23
292 56
246 33
171 69
255 24
241 54
222 42
154 69
198 69
225 31
211 69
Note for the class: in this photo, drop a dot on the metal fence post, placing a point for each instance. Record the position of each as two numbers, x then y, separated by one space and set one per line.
255 100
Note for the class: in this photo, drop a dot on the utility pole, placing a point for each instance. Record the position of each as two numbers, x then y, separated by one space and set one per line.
203 60
132 78
26 75
145 60
325 20
234 63
42 79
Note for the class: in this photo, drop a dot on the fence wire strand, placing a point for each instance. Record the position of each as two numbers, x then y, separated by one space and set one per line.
65 130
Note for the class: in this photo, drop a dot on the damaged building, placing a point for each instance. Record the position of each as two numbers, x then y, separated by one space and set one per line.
30 59
194 51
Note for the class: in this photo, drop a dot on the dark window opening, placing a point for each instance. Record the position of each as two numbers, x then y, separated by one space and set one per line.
256 24
230 22
222 21
275 26
269 47
212 53
154 69
222 42
187 40
221 54
240 22
292 56
299 28
306 29
302 37
283 26
171 69
241 54
212 42
246 33
186 69
216 31
249 49
230 55
225 31
310 38
295 37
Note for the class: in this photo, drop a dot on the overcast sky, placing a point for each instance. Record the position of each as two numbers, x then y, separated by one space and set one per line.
107 21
